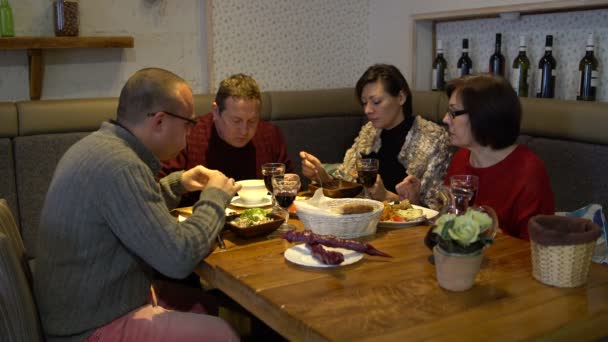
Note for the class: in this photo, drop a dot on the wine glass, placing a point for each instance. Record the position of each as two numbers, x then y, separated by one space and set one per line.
464 191
367 170
269 170
285 188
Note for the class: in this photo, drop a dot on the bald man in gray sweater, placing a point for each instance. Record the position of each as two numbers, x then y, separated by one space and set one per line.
105 224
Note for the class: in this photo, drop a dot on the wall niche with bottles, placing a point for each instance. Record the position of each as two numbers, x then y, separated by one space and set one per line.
569 32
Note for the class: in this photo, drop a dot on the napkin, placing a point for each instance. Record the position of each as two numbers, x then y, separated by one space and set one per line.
318 204
594 213
553 230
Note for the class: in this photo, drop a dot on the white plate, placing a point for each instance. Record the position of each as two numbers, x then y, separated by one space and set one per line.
426 214
238 202
300 255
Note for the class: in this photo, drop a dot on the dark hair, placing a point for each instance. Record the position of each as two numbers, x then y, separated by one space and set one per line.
240 86
393 81
149 90
493 108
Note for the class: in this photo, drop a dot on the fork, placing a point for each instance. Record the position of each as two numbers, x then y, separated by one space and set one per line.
220 241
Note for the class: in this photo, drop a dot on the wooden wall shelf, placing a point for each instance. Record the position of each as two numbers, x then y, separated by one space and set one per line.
35 45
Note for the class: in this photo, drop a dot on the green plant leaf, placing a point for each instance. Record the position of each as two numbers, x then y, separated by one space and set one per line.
445 233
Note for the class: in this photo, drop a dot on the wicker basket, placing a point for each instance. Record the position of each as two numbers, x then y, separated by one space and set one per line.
344 226
561 266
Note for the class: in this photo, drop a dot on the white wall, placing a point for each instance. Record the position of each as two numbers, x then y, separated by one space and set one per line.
391 25
168 34
172 35
290 44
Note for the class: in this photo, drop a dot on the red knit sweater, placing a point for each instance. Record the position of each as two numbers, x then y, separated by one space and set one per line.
517 188
266 146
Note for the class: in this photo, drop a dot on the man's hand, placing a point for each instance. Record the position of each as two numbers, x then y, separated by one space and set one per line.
200 177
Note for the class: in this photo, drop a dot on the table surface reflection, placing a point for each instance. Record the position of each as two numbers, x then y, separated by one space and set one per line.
399 299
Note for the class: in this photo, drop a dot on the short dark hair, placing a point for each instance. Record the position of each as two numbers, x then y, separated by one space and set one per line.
240 86
393 81
493 107
149 90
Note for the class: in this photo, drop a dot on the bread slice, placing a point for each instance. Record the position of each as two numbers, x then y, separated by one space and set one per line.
355 208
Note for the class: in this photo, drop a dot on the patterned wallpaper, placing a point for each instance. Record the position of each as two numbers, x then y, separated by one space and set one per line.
569 30
290 44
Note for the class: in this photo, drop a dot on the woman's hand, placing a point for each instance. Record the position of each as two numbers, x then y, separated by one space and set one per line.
379 192
409 188
312 168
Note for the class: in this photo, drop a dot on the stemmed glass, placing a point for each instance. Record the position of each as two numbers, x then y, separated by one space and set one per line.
367 171
464 191
268 171
285 188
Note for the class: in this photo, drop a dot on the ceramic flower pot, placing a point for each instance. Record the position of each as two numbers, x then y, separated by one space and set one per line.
456 272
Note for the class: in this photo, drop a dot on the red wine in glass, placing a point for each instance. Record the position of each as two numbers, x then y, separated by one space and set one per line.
285 199
367 170
367 177
285 188
269 170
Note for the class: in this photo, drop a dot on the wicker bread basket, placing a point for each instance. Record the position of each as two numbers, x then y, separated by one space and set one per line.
327 222
561 266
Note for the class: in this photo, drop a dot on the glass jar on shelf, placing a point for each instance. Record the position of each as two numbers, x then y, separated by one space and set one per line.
65 17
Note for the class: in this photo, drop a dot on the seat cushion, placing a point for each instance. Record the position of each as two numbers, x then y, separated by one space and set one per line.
8 227
18 313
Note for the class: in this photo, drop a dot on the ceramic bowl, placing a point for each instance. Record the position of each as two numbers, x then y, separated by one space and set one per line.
257 230
338 188
252 190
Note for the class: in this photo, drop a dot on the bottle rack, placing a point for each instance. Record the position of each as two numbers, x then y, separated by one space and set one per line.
570 27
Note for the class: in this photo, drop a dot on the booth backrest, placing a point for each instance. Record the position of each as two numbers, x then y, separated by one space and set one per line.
568 135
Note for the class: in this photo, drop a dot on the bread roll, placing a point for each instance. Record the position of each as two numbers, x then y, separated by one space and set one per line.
356 208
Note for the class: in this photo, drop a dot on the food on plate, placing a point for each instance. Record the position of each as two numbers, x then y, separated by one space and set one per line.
354 208
400 212
252 217
409 214
324 256
332 241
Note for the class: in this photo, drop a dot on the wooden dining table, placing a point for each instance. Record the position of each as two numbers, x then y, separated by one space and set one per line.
399 299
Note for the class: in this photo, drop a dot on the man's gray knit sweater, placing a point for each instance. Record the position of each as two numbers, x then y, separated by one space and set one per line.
105 224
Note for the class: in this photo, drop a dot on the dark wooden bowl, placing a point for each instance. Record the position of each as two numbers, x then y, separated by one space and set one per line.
338 188
257 230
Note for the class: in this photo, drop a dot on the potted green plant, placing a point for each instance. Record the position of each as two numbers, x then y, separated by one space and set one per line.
458 242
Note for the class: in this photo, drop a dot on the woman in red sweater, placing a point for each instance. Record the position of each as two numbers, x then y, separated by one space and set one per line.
483 117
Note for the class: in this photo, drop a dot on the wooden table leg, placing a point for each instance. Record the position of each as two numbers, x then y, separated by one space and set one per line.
36 71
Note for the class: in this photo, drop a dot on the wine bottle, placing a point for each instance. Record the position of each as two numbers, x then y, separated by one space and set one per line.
7 27
588 77
465 64
547 73
497 60
439 68
520 75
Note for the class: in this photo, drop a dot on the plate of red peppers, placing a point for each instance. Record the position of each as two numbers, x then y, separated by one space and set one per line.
326 250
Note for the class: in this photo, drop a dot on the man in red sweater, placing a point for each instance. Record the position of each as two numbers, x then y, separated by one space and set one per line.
232 138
